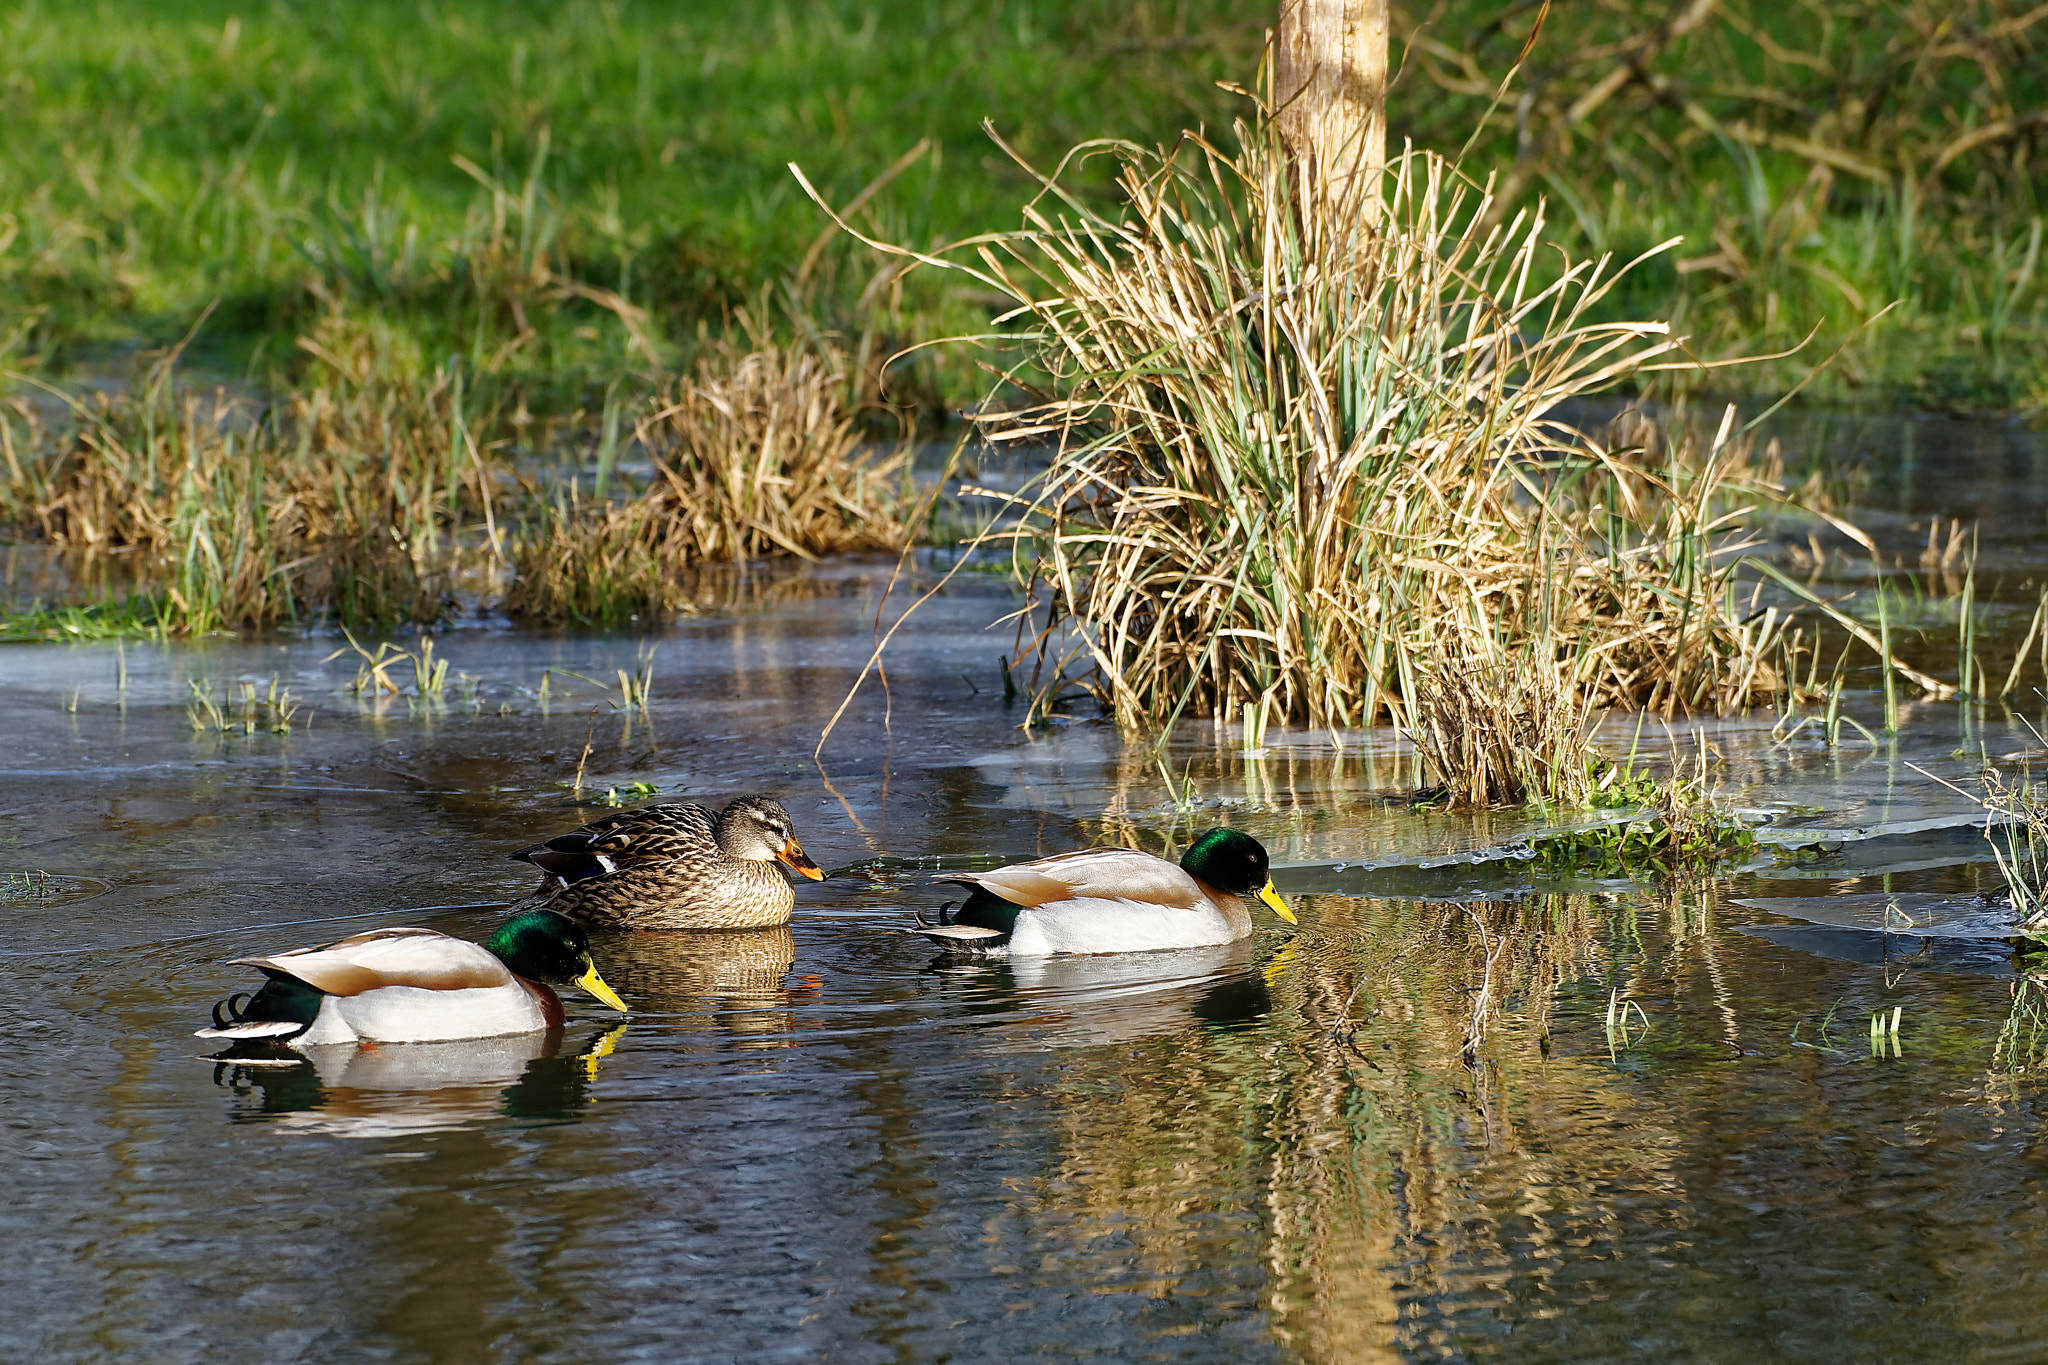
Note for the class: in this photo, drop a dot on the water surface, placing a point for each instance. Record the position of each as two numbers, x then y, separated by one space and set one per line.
826 1143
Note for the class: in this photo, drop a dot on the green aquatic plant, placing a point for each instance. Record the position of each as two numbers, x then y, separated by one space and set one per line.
254 712
374 667
1650 848
20 887
1668 826
131 617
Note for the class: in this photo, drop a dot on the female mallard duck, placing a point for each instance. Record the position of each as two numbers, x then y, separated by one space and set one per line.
674 866
1112 900
415 986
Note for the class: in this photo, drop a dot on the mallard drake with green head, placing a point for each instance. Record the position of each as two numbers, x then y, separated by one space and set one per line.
675 866
415 986
1111 900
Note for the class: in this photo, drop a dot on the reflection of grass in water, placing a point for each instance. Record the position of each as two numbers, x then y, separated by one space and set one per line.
1405 1078
2023 1040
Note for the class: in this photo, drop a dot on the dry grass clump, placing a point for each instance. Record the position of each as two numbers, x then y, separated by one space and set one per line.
1493 733
757 454
372 502
349 501
754 455
1306 461
593 563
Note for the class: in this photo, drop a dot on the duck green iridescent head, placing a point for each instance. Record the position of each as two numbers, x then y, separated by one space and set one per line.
1231 860
541 945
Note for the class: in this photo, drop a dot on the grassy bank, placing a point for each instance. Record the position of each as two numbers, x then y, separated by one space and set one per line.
557 194
564 194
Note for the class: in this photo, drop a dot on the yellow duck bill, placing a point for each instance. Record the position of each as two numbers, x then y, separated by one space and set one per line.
1279 907
792 853
592 982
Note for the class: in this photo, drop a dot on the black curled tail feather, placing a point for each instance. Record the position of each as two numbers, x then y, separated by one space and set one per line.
284 1008
234 1010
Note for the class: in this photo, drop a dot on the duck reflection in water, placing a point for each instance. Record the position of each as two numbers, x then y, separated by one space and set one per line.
395 1089
738 977
1082 1001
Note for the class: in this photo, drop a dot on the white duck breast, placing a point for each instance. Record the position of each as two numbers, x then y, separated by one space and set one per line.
412 1014
1088 924
411 986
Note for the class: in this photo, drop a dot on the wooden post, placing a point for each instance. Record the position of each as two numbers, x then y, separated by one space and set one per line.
1330 85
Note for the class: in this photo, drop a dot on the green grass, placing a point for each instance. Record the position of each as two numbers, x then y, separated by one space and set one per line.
1823 160
303 164
557 193
132 617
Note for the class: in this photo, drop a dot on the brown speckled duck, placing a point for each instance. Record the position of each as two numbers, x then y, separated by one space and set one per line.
674 866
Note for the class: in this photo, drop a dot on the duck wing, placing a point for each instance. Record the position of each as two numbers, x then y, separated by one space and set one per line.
631 838
421 958
1100 874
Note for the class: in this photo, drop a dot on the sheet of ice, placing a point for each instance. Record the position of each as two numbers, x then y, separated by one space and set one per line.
1918 914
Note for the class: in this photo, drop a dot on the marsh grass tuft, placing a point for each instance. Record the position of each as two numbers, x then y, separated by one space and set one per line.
18 887
2016 827
384 503
351 501
2018 834
755 454
1493 735
252 712
1306 461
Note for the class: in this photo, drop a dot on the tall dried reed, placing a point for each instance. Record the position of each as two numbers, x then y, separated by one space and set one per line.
1307 459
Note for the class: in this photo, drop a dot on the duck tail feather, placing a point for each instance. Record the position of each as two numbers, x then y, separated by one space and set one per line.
943 915
965 938
250 1029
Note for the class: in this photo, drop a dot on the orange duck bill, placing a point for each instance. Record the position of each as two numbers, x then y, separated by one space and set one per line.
793 855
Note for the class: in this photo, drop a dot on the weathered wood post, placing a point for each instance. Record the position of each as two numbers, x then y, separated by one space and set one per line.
1330 85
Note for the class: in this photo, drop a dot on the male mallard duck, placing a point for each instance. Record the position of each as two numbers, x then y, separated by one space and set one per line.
674 866
415 986
1112 900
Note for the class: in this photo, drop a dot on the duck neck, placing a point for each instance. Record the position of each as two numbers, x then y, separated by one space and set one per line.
725 833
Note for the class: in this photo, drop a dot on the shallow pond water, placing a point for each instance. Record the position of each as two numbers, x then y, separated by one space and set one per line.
827 1144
